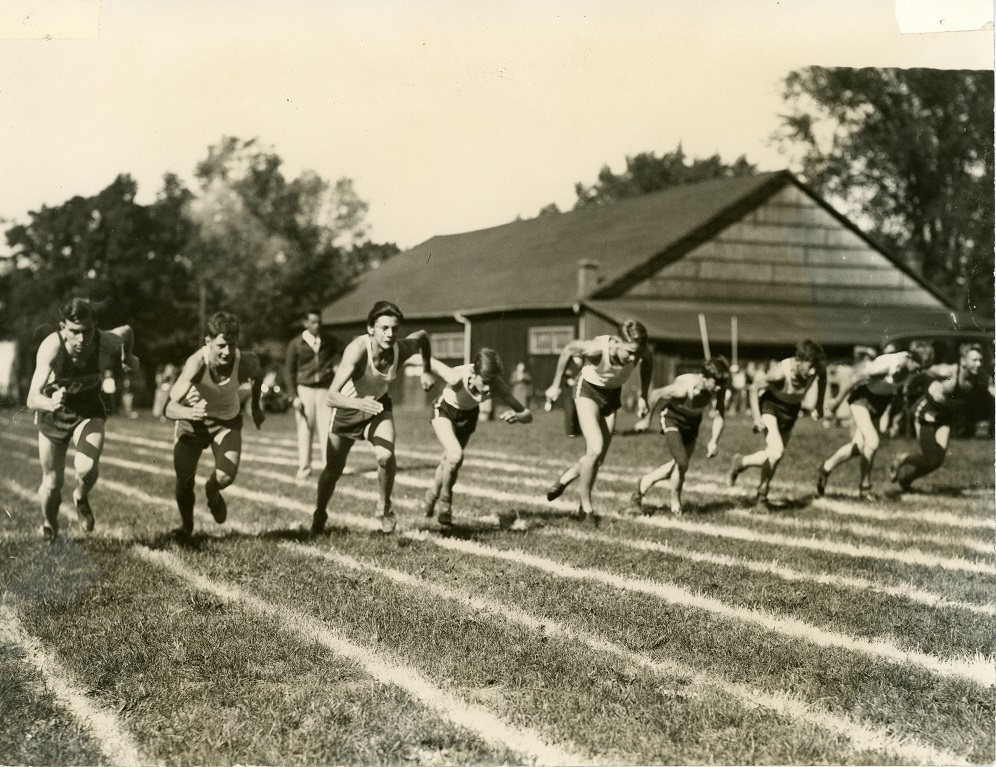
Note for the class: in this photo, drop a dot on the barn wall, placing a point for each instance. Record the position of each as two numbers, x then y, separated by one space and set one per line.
789 250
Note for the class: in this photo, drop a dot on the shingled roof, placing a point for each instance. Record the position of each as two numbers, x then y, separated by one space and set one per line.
532 264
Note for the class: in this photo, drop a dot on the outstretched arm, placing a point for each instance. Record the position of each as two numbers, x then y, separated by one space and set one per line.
583 349
646 374
519 412
444 372
418 343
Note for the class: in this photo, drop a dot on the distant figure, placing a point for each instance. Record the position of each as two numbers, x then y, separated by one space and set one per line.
522 384
109 388
738 389
165 376
776 398
869 396
217 383
683 403
128 397
66 397
949 388
608 362
308 371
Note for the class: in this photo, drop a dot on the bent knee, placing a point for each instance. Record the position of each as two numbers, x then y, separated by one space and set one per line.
225 478
454 458
774 454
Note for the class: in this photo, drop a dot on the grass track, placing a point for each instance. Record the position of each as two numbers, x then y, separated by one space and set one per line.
619 677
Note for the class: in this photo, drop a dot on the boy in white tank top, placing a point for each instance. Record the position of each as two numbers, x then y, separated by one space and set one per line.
361 406
207 399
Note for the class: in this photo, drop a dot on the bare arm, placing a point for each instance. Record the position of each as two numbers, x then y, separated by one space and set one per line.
44 360
193 368
251 370
354 358
124 339
584 349
519 412
418 343
444 372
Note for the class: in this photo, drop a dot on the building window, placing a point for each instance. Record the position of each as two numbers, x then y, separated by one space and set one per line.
550 340
447 346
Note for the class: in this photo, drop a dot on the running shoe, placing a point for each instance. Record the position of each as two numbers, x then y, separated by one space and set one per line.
388 521
445 518
304 473
736 466
821 480
676 509
85 513
428 504
636 499
761 505
49 534
318 520
893 470
865 493
556 490
216 503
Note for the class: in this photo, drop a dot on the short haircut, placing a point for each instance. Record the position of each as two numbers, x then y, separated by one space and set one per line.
810 351
77 310
312 310
633 331
384 309
223 324
971 347
488 364
718 369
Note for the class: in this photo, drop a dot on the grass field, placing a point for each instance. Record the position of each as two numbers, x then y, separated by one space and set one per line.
828 631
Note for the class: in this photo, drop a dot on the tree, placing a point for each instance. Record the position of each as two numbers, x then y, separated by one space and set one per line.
646 173
268 245
910 154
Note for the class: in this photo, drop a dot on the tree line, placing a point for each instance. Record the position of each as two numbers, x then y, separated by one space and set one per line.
907 154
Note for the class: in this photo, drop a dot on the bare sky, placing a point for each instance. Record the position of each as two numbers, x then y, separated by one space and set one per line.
450 115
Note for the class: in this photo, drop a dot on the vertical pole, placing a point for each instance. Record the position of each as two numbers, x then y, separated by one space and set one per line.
733 338
704 332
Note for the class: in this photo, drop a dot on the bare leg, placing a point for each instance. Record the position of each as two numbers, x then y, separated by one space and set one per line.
52 457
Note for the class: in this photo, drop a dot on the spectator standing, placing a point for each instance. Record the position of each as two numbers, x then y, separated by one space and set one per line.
309 368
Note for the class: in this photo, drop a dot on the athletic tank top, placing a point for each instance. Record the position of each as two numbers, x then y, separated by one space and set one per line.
460 396
80 380
890 383
786 393
605 374
690 407
222 398
373 383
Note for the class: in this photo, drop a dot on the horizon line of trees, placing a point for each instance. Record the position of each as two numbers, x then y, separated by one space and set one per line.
908 153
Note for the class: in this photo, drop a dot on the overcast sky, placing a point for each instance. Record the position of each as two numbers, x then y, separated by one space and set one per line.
450 115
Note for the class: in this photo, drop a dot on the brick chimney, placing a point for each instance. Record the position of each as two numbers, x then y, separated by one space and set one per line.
586 277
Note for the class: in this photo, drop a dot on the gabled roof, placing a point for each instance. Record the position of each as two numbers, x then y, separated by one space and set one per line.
532 264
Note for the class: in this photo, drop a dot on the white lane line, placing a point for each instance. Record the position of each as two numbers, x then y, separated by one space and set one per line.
979 670
382 667
909 556
862 737
702 483
115 743
866 531
769 567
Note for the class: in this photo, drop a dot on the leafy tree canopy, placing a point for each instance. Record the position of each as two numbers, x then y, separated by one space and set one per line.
909 155
646 173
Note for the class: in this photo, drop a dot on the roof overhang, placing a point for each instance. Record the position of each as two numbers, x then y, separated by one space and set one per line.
777 324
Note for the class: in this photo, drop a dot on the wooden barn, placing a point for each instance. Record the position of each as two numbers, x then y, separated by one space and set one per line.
760 257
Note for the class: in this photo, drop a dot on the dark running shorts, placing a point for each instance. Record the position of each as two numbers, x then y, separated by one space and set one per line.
464 421
875 404
685 425
786 413
930 413
608 400
200 434
60 425
355 424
